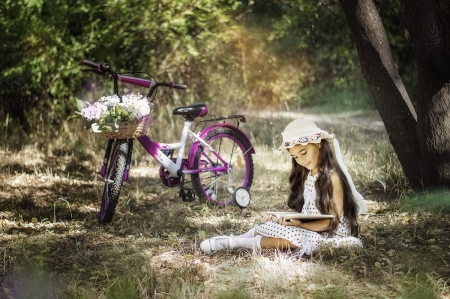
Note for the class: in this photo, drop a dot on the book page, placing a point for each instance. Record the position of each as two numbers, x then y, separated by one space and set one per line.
296 215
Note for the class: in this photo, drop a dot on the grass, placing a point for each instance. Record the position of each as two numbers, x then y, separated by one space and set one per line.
52 247
331 98
437 201
423 286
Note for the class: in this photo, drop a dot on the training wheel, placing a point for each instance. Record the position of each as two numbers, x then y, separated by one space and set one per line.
241 197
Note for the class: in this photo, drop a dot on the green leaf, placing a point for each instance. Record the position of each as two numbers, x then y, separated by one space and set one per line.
80 104
76 114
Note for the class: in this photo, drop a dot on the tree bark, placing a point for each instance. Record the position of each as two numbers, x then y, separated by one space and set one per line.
429 25
391 98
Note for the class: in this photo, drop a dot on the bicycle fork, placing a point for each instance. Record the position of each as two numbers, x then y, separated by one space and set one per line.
107 155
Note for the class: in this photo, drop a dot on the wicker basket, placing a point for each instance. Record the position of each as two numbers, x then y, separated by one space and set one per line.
129 129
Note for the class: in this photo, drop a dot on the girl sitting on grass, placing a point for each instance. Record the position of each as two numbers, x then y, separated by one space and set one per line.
319 184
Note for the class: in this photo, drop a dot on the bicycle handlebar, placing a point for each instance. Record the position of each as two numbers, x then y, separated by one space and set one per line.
90 63
100 67
105 68
173 85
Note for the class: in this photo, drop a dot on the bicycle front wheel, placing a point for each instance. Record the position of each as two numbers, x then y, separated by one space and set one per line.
218 187
113 181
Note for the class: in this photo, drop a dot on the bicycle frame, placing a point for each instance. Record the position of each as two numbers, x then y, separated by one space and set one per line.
155 148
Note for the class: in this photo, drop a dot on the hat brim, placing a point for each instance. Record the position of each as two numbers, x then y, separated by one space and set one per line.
305 141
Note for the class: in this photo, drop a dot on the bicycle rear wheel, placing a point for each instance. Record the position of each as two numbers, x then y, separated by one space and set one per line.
218 187
113 181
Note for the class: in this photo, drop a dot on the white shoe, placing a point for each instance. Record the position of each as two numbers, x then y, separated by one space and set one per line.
208 246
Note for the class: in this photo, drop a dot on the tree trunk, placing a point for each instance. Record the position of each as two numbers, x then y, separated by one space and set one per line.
429 25
391 98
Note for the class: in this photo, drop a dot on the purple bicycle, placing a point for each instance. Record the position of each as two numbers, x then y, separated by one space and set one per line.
219 160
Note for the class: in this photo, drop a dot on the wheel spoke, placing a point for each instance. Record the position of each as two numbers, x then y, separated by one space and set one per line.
231 148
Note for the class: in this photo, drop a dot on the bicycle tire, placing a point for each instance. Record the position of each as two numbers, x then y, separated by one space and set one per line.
213 187
113 181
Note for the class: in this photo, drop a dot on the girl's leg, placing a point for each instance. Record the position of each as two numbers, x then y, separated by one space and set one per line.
276 243
213 244
258 242
250 234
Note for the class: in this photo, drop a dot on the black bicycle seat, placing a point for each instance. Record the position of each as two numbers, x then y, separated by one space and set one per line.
194 110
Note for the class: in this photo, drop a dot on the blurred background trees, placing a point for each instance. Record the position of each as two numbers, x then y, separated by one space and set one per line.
275 54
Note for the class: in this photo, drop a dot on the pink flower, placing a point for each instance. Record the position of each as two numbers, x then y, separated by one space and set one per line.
93 112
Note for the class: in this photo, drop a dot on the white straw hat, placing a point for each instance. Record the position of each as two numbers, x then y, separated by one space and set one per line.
302 131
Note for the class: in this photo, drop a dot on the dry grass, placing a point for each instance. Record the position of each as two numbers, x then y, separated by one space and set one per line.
52 247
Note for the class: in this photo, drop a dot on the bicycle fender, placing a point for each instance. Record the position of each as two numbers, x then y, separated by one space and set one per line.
203 133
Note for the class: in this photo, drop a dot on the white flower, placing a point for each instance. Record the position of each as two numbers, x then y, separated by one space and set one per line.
109 101
102 112
136 105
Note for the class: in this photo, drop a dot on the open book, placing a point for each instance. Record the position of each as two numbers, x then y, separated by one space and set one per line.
296 215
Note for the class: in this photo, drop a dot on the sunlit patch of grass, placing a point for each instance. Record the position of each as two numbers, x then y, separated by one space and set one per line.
223 223
26 158
277 275
181 274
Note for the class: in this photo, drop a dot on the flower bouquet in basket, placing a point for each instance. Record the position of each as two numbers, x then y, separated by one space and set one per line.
113 118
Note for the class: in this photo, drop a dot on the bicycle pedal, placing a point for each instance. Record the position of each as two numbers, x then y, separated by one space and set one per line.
187 194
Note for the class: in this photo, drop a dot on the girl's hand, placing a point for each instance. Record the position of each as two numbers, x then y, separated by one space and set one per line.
265 218
290 222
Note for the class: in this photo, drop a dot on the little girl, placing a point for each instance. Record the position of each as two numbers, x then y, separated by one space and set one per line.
319 184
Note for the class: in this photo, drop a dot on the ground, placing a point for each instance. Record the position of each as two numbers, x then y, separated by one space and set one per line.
51 245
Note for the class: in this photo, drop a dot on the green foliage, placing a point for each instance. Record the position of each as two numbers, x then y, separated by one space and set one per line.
335 99
314 31
433 201
45 41
254 53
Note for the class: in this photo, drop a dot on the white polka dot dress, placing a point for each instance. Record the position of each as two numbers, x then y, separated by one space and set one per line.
305 239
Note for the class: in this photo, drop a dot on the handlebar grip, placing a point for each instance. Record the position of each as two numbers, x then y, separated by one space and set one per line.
172 85
90 64
179 86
